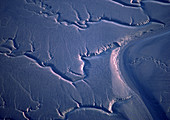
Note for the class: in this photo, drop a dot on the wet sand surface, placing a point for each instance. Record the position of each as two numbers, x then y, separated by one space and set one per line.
84 60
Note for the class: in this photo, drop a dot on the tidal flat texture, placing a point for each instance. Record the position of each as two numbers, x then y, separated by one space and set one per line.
84 60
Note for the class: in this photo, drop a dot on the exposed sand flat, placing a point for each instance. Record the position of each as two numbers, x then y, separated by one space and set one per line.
84 60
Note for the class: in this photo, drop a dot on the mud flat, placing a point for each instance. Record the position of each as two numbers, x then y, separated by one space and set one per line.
84 59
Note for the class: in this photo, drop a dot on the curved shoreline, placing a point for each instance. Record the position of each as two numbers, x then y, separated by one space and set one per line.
124 49
129 77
